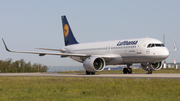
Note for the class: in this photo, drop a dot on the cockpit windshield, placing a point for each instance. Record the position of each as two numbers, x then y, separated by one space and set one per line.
162 45
155 45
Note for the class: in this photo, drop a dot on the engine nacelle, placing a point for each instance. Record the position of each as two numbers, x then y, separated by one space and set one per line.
153 66
94 64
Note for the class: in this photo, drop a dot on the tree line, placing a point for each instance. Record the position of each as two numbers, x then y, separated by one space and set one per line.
20 66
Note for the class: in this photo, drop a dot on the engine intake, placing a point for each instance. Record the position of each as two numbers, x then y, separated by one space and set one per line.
94 64
154 66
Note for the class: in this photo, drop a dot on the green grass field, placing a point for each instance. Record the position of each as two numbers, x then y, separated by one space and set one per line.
135 71
88 89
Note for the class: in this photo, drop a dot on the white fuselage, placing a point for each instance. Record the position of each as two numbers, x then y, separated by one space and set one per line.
122 51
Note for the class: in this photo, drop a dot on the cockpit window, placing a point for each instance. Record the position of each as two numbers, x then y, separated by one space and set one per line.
155 45
152 45
149 46
162 45
158 45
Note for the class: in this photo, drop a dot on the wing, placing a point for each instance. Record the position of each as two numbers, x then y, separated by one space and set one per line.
175 47
61 50
44 53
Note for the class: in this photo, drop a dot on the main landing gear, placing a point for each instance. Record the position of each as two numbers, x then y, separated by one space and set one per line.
127 70
88 73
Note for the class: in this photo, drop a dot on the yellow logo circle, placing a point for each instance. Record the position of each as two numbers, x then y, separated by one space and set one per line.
66 30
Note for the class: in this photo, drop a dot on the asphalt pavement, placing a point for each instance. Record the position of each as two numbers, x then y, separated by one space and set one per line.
177 76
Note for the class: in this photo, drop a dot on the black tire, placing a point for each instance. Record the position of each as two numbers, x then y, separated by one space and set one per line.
149 71
92 73
129 70
88 73
125 70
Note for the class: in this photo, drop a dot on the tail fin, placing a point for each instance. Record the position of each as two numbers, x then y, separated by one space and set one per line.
69 38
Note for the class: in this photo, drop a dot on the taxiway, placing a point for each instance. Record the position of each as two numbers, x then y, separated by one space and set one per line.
177 76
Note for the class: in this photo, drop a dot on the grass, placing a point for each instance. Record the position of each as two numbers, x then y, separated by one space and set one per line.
88 89
135 71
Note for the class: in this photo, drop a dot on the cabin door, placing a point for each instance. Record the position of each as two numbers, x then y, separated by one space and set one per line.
138 46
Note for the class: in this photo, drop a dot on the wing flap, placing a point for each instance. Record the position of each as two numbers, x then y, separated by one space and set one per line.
61 50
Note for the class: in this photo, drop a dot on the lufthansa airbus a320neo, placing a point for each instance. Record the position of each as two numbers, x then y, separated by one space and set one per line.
96 55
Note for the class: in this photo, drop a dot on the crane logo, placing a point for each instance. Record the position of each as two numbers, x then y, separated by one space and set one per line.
66 30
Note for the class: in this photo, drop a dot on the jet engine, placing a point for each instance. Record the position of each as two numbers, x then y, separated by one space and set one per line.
153 66
94 64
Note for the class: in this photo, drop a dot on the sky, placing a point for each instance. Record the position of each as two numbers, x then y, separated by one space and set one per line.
29 24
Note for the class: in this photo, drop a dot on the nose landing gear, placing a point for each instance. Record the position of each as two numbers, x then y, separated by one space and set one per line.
148 71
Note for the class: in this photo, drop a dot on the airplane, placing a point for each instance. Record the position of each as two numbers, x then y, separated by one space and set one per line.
94 56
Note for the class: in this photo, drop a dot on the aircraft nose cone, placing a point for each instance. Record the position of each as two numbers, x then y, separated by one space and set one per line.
165 53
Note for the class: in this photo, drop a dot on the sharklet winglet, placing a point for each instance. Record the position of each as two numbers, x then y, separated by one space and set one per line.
6 46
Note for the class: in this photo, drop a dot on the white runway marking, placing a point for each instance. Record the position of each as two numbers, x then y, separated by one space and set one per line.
96 75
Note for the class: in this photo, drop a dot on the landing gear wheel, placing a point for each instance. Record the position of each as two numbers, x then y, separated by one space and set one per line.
88 73
129 70
125 70
149 71
92 73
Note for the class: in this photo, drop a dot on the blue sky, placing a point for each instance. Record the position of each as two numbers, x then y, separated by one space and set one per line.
29 24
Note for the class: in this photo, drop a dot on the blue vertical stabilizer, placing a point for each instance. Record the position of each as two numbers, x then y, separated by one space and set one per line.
69 38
